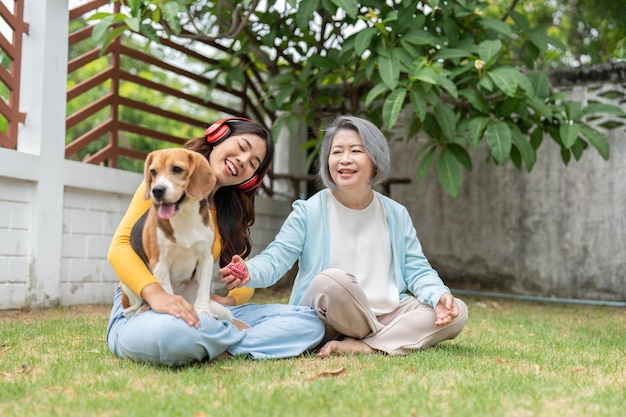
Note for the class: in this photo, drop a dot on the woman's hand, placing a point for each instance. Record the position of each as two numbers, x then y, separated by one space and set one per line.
235 274
446 310
174 305
225 301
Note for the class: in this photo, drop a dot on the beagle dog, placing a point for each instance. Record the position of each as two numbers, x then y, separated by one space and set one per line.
175 236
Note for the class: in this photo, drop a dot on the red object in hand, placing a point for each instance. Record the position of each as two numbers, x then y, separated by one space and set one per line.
238 269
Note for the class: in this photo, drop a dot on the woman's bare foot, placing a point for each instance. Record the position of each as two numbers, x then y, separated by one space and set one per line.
347 345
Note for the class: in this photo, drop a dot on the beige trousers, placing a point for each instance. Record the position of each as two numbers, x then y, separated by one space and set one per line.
343 307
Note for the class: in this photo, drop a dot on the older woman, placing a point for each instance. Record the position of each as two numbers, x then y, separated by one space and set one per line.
361 265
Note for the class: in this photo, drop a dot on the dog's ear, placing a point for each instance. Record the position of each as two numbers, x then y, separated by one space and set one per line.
201 177
147 177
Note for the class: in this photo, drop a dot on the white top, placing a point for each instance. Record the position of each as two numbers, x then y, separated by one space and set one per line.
360 245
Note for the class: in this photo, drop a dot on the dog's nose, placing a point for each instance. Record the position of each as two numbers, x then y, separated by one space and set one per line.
158 191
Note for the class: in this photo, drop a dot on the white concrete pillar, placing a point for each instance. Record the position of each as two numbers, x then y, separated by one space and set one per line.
43 99
289 158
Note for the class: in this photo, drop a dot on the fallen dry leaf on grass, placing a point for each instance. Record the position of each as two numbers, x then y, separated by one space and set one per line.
333 372
9 375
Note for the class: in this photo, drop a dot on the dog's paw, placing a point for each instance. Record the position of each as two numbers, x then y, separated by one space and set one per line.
214 310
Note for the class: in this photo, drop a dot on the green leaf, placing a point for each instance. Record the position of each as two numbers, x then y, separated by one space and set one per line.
461 155
325 62
363 39
150 32
569 133
499 141
98 16
420 37
593 108
375 92
597 140
280 79
309 144
524 82
304 14
134 23
393 106
537 37
525 149
486 83
427 75
100 28
505 79
541 84
111 36
449 172
418 104
451 53
573 110
348 6
476 130
496 25
536 138
426 162
171 12
448 85
565 156
446 119
489 49
136 7
389 69
578 148
392 16
520 20
284 93
540 107
293 123
477 100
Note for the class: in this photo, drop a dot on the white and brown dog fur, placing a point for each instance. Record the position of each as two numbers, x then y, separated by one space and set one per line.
175 237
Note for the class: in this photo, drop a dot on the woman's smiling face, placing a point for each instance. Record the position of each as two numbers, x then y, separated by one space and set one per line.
349 164
236 159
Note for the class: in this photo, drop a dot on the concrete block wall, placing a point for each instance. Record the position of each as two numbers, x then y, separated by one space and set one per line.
16 205
94 199
89 221
558 231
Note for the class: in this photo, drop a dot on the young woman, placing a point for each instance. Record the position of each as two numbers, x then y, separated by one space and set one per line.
361 265
171 333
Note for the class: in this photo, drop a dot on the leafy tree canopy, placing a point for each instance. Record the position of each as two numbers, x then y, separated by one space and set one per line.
462 71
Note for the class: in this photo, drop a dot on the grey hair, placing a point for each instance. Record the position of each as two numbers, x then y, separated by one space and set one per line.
375 143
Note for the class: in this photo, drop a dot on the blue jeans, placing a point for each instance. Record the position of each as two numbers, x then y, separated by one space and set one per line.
276 331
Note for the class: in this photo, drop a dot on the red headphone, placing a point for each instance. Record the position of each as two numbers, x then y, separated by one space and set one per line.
218 132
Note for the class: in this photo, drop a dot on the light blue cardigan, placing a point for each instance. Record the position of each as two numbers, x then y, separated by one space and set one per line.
305 237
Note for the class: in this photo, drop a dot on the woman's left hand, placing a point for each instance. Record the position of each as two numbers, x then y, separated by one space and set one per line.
446 310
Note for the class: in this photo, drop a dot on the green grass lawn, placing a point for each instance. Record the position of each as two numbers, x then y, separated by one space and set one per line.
514 358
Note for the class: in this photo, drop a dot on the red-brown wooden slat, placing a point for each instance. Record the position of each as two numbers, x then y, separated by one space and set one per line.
88 111
76 145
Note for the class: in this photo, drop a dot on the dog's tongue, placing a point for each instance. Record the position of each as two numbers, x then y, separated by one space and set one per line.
166 210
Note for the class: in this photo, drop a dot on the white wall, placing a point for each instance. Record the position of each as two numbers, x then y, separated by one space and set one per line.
93 201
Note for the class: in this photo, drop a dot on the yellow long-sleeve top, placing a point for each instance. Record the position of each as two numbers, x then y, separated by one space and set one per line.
129 267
